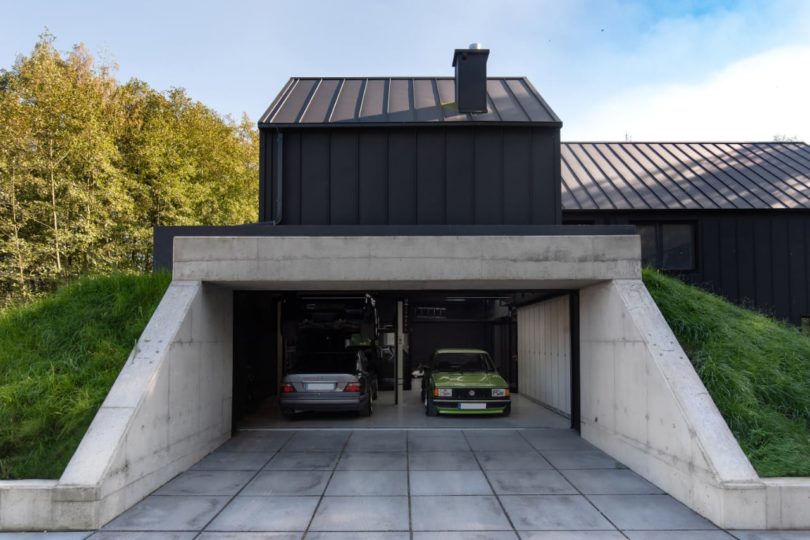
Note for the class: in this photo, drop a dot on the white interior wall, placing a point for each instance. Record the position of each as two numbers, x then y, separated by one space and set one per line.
544 353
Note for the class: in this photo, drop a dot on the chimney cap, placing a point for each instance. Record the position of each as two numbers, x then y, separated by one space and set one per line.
474 48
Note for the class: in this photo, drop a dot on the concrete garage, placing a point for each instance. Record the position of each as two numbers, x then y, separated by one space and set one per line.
267 341
425 193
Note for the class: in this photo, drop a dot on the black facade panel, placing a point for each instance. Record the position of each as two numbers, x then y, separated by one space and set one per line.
401 177
762 263
489 177
462 175
757 258
430 177
343 179
315 181
291 194
517 179
373 178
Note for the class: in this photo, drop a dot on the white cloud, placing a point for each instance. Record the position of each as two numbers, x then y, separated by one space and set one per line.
755 98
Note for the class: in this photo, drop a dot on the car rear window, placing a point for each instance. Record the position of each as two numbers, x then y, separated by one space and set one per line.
326 363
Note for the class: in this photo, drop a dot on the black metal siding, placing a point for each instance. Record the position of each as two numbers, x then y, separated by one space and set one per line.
754 258
415 176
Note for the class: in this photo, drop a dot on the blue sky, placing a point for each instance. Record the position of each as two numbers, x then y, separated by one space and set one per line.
611 69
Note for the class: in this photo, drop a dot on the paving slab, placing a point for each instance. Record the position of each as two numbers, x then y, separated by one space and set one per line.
303 461
377 441
466 535
771 535
317 441
546 482
610 482
442 461
119 535
361 514
206 483
231 461
497 440
571 535
648 512
247 513
352 483
449 483
373 461
268 483
249 536
355 535
595 459
678 535
168 513
512 460
432 441
556 439
60 535
553 512
256 441
467 513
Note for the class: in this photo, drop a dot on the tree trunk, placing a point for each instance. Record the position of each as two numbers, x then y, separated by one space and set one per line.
17 246
53 210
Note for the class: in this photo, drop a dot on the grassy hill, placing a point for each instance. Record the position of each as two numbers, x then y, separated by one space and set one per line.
59 356
757 371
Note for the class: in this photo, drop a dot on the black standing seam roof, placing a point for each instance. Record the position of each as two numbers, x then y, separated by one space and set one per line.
363 101
685 176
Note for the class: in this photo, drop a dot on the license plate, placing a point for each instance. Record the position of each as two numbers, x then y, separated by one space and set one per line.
467 406
320 387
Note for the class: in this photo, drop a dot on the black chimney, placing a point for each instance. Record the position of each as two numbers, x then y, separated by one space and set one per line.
471 78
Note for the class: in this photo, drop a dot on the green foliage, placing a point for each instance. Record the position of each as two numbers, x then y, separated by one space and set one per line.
756 369
88 166
59 356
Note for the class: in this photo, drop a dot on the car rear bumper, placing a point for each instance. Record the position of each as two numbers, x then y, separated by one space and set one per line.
303 402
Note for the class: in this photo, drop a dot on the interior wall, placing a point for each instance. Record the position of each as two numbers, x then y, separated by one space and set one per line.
544 353
255 363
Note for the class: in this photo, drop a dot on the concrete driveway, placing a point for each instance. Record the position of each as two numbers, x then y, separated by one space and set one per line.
402 484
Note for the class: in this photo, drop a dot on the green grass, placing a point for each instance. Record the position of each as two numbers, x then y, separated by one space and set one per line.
756 369
59 356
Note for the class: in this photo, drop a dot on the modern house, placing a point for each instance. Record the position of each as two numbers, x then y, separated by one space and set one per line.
452 202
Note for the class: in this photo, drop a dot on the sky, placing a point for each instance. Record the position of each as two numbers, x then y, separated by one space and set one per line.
616 70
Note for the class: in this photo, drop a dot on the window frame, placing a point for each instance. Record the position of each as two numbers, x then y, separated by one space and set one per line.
659 242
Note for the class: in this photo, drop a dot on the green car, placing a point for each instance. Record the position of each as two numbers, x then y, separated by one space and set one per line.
464 381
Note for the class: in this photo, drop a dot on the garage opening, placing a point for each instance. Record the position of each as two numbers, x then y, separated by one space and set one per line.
529 336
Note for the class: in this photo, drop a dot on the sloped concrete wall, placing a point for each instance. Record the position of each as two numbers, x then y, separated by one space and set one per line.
169 407
643 403
544 353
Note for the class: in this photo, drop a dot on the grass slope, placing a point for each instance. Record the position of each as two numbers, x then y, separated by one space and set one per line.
756 369
59 356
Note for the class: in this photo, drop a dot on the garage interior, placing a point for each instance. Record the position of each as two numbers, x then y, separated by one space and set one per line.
272 327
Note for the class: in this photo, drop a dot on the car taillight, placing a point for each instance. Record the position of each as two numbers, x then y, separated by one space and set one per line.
287 388
352 387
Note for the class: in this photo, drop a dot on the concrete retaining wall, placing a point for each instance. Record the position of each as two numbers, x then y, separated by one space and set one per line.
169 407
544 353
644 404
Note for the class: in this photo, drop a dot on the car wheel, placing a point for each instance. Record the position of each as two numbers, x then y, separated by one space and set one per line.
430 408
507 410
366 410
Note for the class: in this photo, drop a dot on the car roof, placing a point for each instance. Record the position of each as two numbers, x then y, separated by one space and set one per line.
445 351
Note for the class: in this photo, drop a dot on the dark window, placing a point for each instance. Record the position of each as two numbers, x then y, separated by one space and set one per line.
667 246
649 246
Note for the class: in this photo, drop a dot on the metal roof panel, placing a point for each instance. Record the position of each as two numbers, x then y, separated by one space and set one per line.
429 100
